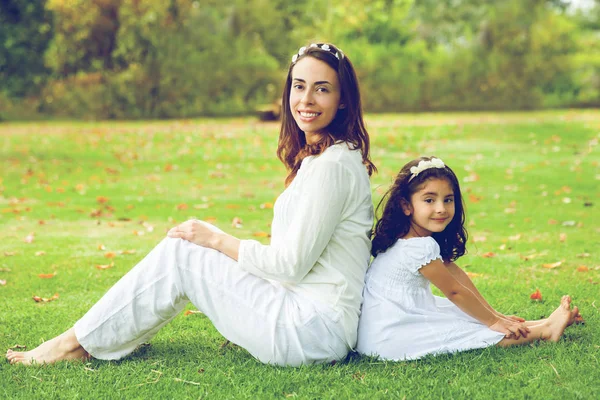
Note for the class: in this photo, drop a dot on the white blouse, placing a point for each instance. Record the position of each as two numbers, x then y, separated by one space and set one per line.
320 244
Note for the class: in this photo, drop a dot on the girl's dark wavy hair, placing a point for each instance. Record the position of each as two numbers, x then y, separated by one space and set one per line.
347 125
393 224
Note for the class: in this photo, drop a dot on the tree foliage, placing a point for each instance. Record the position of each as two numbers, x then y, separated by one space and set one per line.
180 58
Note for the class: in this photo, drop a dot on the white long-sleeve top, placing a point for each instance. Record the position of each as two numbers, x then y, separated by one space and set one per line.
320 244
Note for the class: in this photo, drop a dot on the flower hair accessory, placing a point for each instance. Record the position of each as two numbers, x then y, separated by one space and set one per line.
323 46
425 164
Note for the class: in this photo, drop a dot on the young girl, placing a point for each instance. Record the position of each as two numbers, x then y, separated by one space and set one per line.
419 235
295 301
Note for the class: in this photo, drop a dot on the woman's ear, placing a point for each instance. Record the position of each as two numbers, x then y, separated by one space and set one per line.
406 207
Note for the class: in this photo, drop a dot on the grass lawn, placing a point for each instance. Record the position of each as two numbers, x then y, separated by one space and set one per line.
75 196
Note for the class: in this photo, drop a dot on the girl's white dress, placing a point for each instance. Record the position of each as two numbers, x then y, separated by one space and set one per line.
295 301
402 320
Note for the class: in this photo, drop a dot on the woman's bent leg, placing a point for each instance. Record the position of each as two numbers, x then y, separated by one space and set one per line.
273 324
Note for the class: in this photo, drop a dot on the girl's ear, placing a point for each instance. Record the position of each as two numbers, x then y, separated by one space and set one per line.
406 207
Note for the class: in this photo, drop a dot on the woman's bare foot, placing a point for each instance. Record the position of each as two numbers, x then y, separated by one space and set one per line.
62 347
562 317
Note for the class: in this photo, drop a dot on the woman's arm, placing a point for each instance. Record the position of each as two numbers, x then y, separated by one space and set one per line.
204 234
465 299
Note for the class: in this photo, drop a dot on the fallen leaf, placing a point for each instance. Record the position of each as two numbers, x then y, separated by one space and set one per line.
110 254
40 253
182 206
107 266
552 265
474 199
188 312
582 268
132 251
210 220
479 238
260 234
102 199
566 200
4 269
266 205
101 247
569 223
515 237
236 222
562 237
2 282
29 238
232 206
489 254
583 255
473 274
537 295
552 222
46 276
9 253
39 299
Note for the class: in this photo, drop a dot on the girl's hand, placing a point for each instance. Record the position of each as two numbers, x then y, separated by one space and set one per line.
510 329
195 231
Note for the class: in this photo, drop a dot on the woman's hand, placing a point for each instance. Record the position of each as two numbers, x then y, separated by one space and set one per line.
510 328
195 231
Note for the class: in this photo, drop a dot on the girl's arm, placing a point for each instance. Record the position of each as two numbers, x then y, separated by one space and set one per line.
437 273
464 280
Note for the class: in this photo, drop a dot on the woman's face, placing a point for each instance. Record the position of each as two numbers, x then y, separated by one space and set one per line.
314 96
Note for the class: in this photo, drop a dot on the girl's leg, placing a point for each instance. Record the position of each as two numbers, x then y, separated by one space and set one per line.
257 314
550 329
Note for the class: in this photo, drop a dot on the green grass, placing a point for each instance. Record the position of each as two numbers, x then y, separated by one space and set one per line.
532 183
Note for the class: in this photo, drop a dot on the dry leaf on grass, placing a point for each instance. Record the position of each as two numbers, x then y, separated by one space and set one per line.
489 254
110 254
189 312
46 276
537 295
39 299
2 282
107 266
552 265
260 234
40 253
582 268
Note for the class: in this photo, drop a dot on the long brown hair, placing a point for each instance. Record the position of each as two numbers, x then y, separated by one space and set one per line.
394 224
347 125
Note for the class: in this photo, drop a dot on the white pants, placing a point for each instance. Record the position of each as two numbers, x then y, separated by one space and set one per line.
274 324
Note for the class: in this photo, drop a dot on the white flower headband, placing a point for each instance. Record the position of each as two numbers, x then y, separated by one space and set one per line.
323 46
425 164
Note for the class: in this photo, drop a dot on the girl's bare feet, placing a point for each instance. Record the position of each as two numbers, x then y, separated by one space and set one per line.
62 347
562 317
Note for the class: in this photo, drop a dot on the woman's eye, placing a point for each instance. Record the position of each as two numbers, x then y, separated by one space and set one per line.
322 89
428 200
298 87
449 200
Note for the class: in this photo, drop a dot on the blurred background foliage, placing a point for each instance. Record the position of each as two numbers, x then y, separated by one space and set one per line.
127 59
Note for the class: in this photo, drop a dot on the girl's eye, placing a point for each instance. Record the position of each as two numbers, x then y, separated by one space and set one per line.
298 87
449 200
322 89
428 200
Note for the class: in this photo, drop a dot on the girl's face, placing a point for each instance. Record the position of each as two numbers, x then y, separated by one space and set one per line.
431 208
314 96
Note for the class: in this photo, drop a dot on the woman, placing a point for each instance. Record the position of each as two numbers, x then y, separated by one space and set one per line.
293 302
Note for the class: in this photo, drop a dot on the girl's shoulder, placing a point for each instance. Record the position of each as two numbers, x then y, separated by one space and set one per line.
413 253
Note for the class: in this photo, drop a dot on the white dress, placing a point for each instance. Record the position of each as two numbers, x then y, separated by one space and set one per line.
293 302
402 320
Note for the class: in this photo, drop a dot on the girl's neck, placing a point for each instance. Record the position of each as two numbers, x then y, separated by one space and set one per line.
413 233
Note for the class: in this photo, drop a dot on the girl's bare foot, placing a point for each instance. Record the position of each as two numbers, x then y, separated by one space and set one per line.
62 347
562 317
